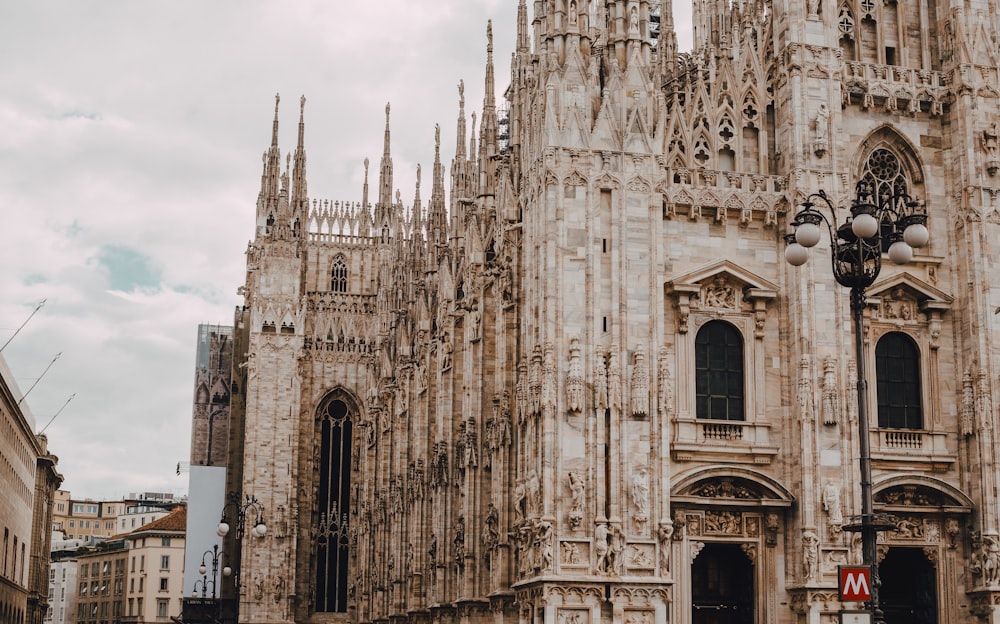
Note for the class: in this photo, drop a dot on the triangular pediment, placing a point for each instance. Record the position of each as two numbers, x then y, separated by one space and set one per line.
725 269
905 285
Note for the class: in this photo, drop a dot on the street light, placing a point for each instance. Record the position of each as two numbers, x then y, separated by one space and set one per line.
204 581
889 223
240 512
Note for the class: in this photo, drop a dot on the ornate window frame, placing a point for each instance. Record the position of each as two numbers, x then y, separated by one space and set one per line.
905 304
721 291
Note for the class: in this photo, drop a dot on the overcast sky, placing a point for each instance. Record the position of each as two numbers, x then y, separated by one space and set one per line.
131 136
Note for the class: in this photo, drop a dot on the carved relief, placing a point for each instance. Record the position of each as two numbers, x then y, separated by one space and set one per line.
614 380
574 553
578 494
640 385
666 393
600 383
830 402
640 498
810 555
641 556
720 293
723 522
549 377
535 382
574 379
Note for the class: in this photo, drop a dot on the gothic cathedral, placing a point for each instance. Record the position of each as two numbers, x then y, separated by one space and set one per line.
581 384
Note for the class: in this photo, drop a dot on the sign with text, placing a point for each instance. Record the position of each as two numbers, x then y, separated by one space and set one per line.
855 583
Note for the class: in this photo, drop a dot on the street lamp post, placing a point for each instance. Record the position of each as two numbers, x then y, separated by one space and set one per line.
204 581
857 244
249 508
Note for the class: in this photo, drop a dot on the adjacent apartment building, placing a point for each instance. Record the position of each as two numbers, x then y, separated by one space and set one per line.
134 577
28 480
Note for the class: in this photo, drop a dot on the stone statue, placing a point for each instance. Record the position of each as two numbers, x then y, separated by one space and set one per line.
640 492
601 548
810 555
991 560
578 490
831 503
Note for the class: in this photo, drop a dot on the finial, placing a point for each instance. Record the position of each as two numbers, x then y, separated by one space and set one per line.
489 36
437 136
302 106
418 175
461 92
366 167
387 113
277 98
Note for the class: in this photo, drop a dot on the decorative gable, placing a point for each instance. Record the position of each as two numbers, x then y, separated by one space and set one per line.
721 287
904 300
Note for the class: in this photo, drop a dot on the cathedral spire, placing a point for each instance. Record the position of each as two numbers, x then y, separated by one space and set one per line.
272 159
384 207
523 37
489 128
437 232
666 45
460 136
364 191
300 195
417 217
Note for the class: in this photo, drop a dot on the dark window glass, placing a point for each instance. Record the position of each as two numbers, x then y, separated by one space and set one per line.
719 372
338 276
332 542
897 369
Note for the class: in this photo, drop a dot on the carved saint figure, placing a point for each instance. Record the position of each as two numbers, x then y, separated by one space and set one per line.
991 560
991 140
491 536
520 494
578 487
640 492
601 547
810 555
831 503
534 493
822 123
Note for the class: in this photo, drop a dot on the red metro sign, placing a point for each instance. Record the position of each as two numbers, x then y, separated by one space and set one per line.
854 583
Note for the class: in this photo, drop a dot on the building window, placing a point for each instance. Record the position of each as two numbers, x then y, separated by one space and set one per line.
897 370
162 606
338 276
335 430
165 542
163 584
165 562
719 372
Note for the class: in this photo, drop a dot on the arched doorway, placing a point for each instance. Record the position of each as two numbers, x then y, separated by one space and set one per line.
722 586
909 587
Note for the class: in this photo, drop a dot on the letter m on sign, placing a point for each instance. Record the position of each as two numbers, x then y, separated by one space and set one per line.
855 583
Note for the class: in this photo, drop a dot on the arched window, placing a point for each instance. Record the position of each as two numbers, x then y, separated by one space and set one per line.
334 500
883 172
719 372
897 369
338 276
